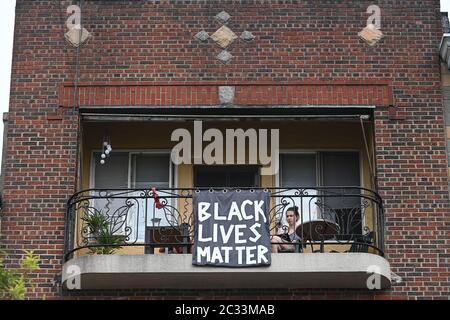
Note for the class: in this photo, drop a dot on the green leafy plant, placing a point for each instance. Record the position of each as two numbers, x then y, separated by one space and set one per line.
100 233
13 282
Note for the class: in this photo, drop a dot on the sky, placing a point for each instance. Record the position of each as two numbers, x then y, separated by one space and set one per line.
7 30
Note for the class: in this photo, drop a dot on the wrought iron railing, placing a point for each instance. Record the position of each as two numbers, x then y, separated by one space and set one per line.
342 219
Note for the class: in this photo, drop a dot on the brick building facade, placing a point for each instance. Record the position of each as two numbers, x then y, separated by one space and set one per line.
147 58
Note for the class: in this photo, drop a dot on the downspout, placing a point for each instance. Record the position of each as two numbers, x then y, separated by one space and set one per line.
2 180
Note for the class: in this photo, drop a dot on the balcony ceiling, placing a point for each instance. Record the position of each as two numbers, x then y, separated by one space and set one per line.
175 271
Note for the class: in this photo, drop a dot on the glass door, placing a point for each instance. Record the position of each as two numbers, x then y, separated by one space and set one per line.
150 170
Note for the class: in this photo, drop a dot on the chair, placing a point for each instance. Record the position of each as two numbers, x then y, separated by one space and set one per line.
167 237
361 243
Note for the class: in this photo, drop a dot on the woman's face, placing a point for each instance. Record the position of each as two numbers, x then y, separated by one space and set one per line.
290 218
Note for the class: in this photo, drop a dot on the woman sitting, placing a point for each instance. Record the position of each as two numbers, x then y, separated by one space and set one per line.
283 241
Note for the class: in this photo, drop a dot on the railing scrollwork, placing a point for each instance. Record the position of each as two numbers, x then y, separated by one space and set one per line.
103 221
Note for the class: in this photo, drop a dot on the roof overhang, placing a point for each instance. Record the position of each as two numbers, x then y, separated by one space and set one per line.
216 112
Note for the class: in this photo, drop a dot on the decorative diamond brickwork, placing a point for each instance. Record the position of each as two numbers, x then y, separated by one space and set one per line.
202 36
247 36
224 37
223 17
371 35
224 57
73 37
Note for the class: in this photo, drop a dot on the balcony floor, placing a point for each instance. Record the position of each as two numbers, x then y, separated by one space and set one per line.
175 271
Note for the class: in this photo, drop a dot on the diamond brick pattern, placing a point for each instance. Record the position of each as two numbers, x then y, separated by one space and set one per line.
247 36
202 36
371 35
224 37
223 17
224 57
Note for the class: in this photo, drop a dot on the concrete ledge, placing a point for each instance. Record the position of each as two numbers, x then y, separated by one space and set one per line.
175 271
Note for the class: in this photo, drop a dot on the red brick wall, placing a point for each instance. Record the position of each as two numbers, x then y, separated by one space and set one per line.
205 93
300 46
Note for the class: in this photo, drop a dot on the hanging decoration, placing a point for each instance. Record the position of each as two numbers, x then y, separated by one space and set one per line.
107 149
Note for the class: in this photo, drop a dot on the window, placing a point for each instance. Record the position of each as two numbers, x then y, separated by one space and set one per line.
150 170
133 170
342 169
299 170
324 169
113 174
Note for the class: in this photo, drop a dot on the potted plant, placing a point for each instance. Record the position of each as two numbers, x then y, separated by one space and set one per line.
100 232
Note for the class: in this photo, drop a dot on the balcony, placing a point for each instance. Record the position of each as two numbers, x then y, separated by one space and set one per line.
149 236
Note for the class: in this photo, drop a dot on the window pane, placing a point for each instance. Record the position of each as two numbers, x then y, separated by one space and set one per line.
342 169
298 170
148 171
113 174
151 170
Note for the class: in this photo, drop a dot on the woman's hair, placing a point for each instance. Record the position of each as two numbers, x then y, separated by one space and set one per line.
295 210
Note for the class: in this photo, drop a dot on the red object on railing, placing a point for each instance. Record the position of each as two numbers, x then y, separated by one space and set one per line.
156 198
